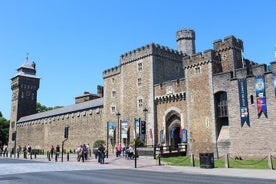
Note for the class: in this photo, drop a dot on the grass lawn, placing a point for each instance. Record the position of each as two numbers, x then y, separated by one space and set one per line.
220 163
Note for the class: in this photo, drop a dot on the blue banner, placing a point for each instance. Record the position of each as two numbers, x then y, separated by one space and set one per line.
260 94
162 140
244 112
111 129
124 129
184 136
172 133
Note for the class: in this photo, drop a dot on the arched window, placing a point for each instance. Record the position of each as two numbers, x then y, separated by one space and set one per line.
221 102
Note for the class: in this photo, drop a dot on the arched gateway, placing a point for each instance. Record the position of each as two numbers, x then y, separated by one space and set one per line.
173 129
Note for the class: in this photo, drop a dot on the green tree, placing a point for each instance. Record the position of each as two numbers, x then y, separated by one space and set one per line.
43 108
4 130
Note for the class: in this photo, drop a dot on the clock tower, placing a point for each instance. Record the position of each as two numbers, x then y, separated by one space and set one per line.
24 88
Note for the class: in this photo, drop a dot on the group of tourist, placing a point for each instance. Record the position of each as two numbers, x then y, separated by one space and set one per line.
127 152
82 152
27 151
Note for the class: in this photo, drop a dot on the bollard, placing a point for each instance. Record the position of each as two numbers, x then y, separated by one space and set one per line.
159 160
227 161
68 157
154 152
192 160
270 161
49 157
18 154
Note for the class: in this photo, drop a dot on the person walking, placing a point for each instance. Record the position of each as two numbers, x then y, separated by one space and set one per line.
57 152
118 150
101 154
52 149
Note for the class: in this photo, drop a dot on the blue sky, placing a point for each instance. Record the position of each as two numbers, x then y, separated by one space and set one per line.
74 41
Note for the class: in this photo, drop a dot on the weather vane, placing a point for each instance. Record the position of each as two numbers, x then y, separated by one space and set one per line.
27 56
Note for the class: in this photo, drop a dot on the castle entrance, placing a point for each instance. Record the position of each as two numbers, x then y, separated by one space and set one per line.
221 111
173 129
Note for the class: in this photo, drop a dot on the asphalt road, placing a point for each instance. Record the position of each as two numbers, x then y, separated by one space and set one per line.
36 172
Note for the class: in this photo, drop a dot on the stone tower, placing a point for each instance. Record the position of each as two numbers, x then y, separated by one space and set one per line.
186 41
129 87
199 101
24 96
230 54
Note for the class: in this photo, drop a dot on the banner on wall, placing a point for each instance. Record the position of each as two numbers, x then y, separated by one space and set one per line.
111 129
184 136
172 132
150 133
143 130
162 140
124 129
260 94
137 127
244 112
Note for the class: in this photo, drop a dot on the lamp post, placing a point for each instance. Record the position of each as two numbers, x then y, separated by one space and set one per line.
135 141
107 137
119 130
145 113
145 110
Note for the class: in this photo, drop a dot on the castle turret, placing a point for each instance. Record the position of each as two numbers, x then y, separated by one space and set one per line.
24 88
186 41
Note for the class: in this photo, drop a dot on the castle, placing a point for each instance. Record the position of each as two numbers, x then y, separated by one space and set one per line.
215 101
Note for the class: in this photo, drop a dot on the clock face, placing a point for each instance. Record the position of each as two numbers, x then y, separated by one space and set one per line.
28 93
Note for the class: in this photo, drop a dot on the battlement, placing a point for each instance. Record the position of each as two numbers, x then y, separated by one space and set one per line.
199 59
150 49
187 34
230 42
112 71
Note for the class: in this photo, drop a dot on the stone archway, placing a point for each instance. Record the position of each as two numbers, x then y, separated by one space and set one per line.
173 127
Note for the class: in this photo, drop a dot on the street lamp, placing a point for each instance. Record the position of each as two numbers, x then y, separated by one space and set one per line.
145 110
119 131
145 113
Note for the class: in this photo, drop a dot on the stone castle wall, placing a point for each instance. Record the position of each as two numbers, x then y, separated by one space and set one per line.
198 73
258 139
85 127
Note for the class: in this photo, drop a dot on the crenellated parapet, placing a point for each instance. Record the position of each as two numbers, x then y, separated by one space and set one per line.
170 98
148 50
188 34
198 59
112 71
230 42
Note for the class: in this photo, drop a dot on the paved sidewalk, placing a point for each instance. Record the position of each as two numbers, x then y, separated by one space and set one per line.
150 164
